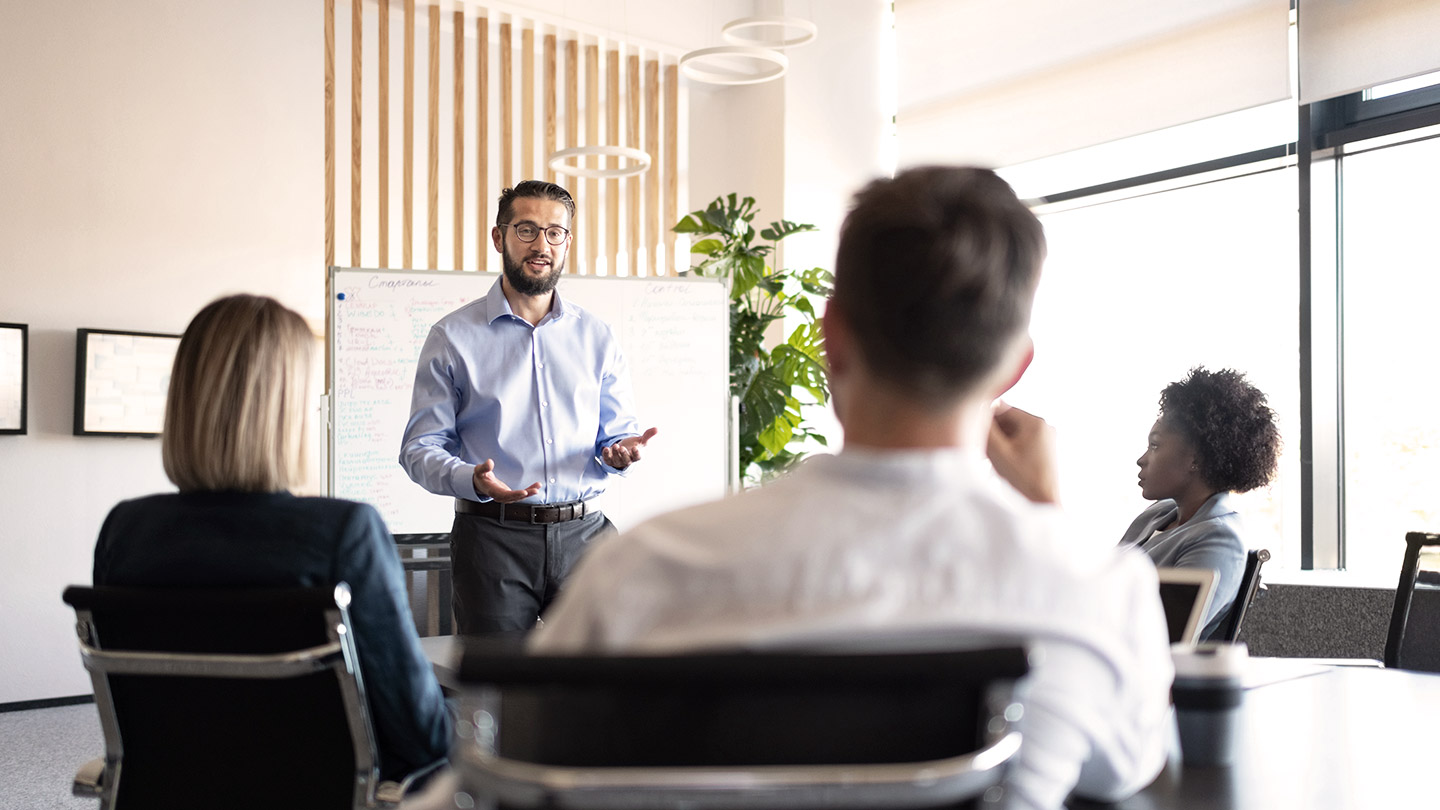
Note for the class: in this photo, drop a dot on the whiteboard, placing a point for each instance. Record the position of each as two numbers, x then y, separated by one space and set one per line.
674 333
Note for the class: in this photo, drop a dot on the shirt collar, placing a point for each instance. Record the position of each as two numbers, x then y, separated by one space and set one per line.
496 305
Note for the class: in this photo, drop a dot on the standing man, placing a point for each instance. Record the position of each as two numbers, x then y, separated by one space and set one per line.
521 385
908 529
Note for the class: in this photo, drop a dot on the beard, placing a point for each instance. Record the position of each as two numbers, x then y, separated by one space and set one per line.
526 284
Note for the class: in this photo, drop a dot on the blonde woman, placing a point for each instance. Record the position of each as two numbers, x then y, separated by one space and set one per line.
234 445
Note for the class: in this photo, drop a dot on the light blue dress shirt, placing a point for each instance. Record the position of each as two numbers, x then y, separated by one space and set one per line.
542 401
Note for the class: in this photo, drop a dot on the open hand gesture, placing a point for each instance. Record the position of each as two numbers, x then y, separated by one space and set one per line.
487 485
626 451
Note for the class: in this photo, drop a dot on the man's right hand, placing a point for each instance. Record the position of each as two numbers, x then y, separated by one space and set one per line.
488 486
1022 450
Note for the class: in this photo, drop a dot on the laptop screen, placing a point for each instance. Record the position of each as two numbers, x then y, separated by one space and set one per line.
1185 595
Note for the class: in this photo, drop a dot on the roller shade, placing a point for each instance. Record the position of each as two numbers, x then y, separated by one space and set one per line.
999 82
1349 45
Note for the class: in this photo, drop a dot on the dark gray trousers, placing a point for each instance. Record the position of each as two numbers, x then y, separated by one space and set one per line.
506 573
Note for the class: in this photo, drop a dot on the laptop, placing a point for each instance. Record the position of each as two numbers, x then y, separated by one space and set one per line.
1185 593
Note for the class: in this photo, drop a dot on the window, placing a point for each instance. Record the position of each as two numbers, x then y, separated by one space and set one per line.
1391 293
1138 291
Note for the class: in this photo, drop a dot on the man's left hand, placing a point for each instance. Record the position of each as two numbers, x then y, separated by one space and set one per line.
626 451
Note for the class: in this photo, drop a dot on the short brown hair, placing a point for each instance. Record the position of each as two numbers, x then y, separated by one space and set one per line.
936 274
533 188
235 412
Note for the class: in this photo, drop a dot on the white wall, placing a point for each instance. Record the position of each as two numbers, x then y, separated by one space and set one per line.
155 154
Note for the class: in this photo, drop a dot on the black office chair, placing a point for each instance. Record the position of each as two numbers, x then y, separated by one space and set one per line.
707 731
1229 629
1414 638
227 699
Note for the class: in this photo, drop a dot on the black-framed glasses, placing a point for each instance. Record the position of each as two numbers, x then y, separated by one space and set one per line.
527 231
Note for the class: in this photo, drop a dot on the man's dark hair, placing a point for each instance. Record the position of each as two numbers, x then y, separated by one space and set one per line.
936 275
1228 423
533 188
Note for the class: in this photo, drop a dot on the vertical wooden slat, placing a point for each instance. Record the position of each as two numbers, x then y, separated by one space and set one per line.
527 101
612 185
482 139
507 107
632 140
357 20
548 78
329 135
382 121
592 137
653 228
407 173
433 220
672 164
459 145
572 139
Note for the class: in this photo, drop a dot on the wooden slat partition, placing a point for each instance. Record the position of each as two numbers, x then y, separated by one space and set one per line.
507 107
548 78
382 123
672 164
653 228
572 139
407 196
632 184
482 138
356 84
592 137
459 145
527 103
630 98
612 185
433 120
329 133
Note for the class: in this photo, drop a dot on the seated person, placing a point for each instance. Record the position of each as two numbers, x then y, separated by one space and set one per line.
908 529
234 443
1215 435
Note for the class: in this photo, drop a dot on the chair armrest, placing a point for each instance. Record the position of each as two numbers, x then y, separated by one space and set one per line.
390 794
89 779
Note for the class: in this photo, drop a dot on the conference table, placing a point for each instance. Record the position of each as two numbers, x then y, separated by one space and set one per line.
1317 737
1314 735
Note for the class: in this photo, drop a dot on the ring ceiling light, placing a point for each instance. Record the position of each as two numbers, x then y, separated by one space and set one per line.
737 32
639 165
709 64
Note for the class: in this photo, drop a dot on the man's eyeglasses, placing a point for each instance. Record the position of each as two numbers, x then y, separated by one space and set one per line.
526 232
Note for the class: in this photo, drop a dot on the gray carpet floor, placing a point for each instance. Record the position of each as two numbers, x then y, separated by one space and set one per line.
40 750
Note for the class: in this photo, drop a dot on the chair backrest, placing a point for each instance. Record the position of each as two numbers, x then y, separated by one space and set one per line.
1413 641
1249 586
713 730
227 698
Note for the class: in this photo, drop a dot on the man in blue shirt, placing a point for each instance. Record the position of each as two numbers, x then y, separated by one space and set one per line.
521 385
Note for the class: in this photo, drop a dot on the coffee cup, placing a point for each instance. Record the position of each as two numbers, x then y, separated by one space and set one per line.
1209 698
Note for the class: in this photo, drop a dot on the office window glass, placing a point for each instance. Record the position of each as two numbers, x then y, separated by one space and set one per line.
1391 296
1134 294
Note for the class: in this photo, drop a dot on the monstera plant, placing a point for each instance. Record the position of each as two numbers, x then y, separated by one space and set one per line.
774 385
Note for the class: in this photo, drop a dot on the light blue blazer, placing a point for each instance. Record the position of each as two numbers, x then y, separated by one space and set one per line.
1209 539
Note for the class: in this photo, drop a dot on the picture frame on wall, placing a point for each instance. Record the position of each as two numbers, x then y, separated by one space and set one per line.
121 379
14 377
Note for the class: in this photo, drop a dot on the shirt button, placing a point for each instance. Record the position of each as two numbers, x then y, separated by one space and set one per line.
549 441
540 365
552 480
544 404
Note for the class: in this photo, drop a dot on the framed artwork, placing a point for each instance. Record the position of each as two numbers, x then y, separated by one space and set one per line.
120 381
14 376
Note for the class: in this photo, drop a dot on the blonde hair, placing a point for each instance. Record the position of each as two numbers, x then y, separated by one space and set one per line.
235 413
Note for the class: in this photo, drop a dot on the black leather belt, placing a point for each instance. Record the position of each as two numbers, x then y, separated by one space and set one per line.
536 513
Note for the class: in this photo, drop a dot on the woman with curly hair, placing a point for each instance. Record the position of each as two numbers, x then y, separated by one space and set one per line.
1215 435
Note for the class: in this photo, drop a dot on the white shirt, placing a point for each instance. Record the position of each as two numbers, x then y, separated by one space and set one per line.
872 542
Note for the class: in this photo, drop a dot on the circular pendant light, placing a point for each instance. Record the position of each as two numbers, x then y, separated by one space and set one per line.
711 65
640 161
787 32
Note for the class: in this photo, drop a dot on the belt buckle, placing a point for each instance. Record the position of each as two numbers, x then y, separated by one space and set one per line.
534 511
